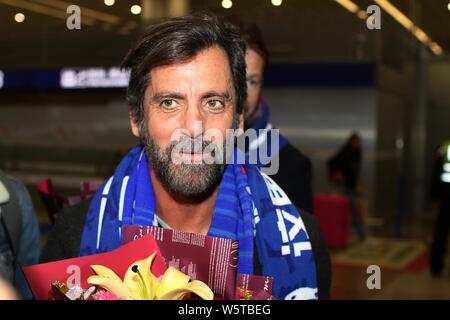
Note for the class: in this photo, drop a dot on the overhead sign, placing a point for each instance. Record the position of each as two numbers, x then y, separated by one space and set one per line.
93 78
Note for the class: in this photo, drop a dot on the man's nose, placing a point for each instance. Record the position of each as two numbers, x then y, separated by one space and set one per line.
194 121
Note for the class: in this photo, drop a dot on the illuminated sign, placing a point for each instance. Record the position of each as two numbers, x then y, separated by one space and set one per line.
102 77
93 78
445 176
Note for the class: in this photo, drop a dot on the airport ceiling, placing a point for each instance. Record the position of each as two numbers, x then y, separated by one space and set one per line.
296 31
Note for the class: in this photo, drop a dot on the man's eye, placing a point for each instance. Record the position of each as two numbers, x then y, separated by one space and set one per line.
168 103
215 104
252 82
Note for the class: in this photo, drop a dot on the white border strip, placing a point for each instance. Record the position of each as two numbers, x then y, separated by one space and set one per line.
102 210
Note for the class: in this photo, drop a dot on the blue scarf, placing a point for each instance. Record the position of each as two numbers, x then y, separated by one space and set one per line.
260 121
249 208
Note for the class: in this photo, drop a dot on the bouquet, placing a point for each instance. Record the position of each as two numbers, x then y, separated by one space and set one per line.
152 264
139 283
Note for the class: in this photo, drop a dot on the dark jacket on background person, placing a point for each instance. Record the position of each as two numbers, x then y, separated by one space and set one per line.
19 235
347 162
295 177
64 243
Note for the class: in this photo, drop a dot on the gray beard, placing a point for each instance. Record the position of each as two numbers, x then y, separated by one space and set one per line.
194 181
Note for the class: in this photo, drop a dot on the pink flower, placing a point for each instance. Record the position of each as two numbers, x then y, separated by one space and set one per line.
106 295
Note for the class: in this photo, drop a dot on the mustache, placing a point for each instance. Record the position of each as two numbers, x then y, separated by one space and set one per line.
190 145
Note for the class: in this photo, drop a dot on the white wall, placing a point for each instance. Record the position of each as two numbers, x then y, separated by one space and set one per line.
84 125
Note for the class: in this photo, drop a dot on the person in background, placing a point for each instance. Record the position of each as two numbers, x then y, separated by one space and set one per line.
343 170
440 194
19 233
295 170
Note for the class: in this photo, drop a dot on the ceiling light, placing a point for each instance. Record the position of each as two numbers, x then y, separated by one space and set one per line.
227 4
409 25
362 14
57 9
277 3
349 5
109 3
136 9
41 9
437 50
19 17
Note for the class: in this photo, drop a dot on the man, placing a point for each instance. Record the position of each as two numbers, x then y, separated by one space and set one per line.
440 194
185 72
19 233
294 175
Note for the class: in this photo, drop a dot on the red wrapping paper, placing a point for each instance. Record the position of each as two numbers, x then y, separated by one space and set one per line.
41 276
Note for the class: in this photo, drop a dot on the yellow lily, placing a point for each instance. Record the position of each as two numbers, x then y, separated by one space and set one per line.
175 285
139 283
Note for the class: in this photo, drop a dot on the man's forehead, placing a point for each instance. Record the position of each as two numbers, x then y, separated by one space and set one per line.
208 70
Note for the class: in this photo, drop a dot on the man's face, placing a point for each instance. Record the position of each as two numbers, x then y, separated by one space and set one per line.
255 69
195 96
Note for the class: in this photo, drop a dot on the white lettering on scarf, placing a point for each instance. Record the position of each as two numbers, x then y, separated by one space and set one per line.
256 218
302 294
277 195
288 237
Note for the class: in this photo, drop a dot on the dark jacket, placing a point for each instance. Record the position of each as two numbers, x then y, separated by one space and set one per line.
294 176
64 243
19 238
346 162
440 190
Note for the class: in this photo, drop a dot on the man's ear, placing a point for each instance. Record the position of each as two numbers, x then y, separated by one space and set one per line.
134 125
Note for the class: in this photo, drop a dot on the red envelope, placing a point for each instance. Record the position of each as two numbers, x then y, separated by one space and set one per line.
41 276
209 259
